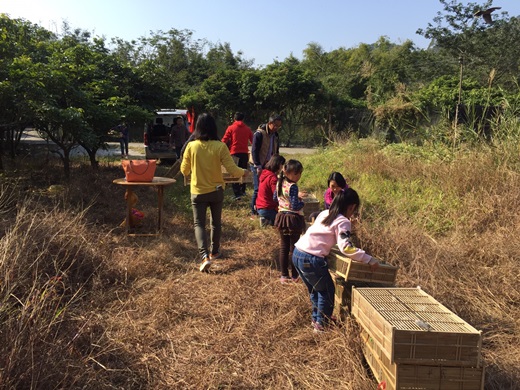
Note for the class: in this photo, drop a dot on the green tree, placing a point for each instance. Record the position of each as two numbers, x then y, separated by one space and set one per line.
223 92
357 81
171 63
286 87
481 47
343 88
76 94
221 57
19 41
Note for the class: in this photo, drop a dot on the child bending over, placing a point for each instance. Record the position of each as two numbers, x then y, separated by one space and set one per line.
331 227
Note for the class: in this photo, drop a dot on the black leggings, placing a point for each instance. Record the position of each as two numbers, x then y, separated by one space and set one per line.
286 247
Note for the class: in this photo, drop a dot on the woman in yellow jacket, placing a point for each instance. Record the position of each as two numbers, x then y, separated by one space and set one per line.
203 158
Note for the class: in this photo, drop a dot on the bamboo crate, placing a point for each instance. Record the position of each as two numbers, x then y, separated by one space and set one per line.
342 295
228 179
311 205
397 376
411 327
356 272
343 290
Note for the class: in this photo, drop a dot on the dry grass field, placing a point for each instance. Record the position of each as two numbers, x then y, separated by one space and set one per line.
83 306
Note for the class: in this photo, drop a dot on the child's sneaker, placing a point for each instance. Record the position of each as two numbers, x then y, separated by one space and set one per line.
263 222
285 279
204 266
317 327
215 256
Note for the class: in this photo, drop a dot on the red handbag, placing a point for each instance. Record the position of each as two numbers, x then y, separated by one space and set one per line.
139 170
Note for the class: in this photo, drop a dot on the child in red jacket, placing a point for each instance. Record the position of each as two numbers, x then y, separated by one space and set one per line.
267 200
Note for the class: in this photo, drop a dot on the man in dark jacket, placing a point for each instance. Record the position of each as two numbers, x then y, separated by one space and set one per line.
179 134
265 145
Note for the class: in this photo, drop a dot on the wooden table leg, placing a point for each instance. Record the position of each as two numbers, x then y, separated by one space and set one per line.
160 196
129 203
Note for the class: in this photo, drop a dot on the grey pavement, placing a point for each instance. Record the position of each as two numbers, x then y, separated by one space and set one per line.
135 149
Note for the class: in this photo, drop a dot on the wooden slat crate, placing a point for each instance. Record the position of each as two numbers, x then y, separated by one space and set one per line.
228 179
343 290
354 271
411 327
311 205
343 294
341 297
397 376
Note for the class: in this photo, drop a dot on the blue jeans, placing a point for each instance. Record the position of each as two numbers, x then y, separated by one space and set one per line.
314 272
268 214
255 189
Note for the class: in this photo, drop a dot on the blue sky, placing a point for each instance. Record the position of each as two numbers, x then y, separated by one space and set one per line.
263 30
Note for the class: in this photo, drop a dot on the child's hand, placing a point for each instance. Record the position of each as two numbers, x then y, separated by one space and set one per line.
303 194
354 221
373 263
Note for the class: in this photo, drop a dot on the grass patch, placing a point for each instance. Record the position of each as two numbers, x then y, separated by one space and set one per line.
84 306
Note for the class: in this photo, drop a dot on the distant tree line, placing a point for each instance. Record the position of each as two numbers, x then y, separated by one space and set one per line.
73 87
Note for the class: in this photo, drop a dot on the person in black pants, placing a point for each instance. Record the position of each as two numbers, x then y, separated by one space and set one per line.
265 145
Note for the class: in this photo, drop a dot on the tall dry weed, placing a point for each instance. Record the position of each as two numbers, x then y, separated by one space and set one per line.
48 262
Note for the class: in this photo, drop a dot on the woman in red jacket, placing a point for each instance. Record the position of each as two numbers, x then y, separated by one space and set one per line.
267 200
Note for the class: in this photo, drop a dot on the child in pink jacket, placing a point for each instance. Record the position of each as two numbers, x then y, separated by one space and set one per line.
332 227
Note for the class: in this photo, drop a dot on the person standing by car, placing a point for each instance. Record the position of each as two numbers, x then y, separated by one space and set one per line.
265 145
203 158
237 137
124 136
179 134
160 128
